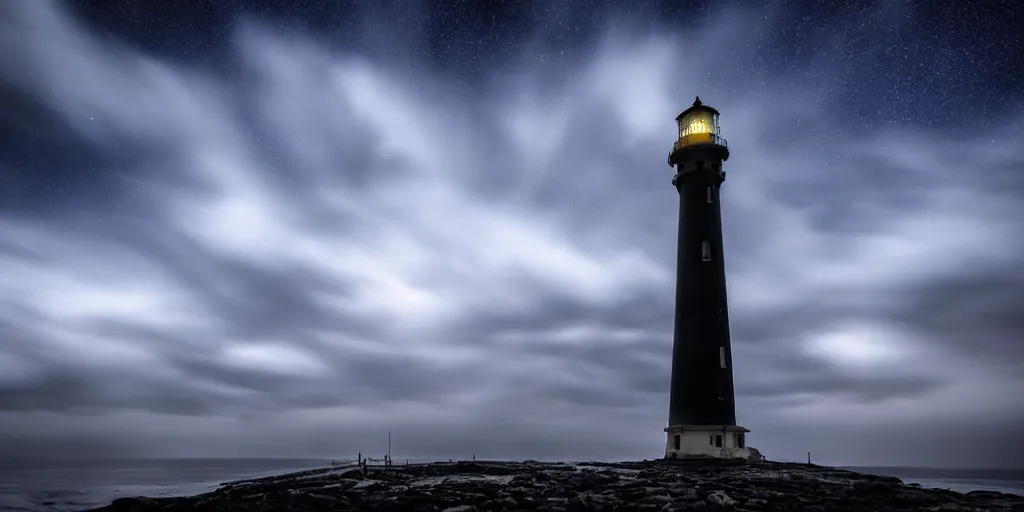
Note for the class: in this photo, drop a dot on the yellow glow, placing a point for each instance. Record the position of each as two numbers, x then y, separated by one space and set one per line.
699 127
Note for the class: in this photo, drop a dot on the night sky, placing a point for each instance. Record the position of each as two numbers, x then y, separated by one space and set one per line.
267 228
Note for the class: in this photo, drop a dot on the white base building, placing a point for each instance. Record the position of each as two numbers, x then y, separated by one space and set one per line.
722 441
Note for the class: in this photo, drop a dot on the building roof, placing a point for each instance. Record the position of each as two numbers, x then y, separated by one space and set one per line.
697 105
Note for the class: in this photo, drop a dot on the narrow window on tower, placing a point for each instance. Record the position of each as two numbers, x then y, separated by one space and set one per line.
705 251
721 356
718 441
711 439
711 198
677 441
740 442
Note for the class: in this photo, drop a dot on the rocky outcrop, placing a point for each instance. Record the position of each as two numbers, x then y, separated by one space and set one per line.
656 486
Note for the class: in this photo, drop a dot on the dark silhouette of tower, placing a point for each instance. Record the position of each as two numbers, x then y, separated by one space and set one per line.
702 408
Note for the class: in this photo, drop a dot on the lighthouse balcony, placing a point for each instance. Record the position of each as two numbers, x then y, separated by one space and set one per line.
699 139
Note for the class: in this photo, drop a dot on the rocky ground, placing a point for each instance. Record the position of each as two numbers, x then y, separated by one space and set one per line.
661 486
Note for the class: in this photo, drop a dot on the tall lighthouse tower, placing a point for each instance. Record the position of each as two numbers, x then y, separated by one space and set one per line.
702 408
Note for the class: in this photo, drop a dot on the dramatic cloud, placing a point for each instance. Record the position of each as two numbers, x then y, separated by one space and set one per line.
296 251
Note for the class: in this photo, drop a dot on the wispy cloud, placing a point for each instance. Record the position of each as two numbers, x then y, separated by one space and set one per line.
321 244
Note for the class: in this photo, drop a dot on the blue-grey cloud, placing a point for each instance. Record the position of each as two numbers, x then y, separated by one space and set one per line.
296 251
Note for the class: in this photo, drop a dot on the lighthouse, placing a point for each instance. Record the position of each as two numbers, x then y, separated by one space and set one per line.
702 408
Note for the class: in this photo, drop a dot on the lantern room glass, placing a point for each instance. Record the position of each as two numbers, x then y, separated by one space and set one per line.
699 127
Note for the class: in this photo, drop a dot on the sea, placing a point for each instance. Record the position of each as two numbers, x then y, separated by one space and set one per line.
64 485
49 485
1010 481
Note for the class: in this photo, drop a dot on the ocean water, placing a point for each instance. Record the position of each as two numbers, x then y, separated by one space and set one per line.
959 480
76 484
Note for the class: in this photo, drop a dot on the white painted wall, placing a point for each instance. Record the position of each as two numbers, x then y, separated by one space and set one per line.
700 442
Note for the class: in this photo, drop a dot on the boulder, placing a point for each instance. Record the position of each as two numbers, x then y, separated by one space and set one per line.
656 486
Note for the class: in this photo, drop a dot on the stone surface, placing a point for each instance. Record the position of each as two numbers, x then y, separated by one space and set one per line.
656 486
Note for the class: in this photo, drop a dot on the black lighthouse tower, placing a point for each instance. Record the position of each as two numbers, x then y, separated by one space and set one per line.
702 408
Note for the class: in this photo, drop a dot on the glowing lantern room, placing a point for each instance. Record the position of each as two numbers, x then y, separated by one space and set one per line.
698 125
